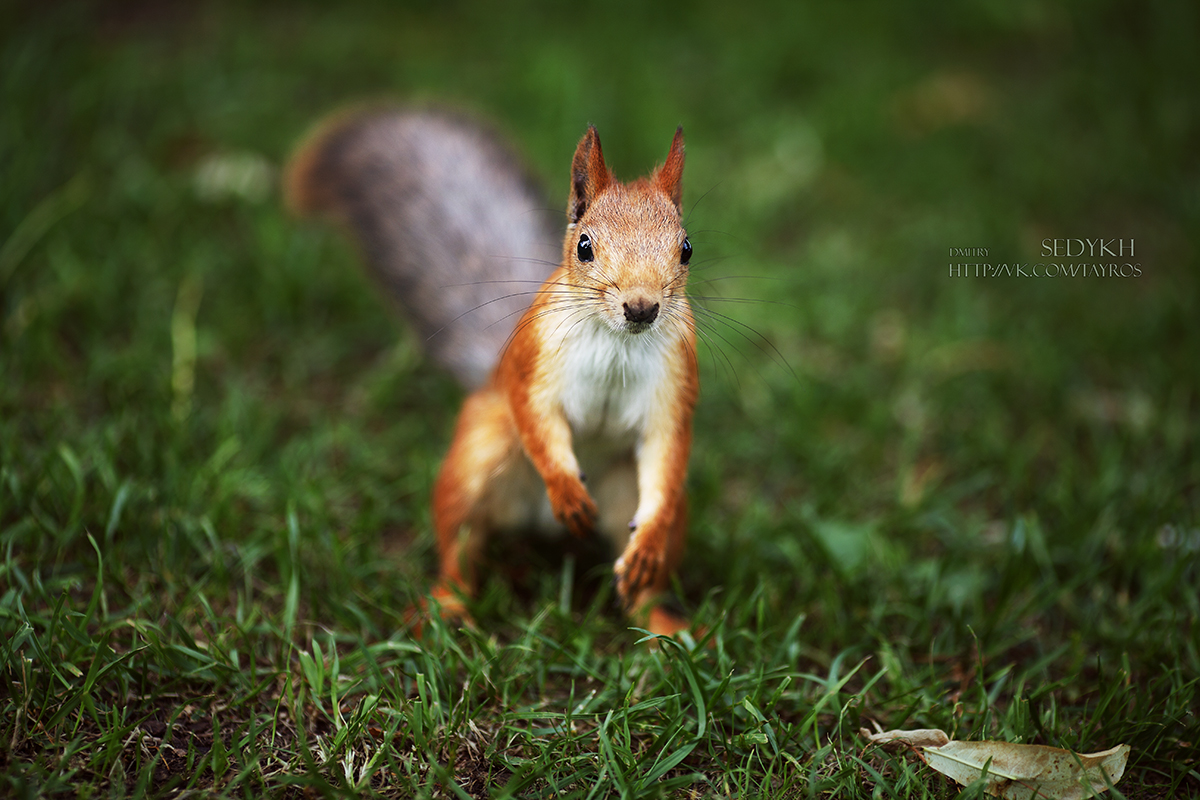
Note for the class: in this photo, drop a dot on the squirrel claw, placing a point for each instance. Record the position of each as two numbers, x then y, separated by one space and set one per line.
574 508
579 524
635 572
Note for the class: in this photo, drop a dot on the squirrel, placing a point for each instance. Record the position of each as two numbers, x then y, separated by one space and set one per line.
581 412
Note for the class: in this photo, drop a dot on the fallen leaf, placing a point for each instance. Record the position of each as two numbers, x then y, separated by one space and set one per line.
1016 771
1029 771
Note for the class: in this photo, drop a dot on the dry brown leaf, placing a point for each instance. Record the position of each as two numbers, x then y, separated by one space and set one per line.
1028 770
1023 771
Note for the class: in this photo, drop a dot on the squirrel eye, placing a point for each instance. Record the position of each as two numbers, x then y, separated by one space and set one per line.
584 251
686 255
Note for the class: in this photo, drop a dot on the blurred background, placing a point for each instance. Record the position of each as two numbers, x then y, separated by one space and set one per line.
182 365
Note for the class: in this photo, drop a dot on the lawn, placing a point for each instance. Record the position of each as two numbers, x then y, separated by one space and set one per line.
924 493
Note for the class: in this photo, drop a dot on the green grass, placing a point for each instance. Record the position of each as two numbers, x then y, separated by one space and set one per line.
966 503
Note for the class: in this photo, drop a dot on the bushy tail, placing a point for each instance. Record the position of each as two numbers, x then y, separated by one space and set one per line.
447 218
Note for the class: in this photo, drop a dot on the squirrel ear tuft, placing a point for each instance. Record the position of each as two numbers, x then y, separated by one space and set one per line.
669 177
589 175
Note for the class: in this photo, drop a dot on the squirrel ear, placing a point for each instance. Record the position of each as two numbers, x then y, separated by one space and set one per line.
589 175
669 177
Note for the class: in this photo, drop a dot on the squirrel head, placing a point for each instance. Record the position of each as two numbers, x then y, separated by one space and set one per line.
626 242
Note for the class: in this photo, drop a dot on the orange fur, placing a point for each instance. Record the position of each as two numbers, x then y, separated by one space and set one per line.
601 369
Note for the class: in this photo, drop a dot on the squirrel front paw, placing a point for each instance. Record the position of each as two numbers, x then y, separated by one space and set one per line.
636 571
572 505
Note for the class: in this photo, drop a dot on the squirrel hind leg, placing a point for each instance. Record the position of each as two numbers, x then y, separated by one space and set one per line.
445 601
480 477
458 557
658 611
663 620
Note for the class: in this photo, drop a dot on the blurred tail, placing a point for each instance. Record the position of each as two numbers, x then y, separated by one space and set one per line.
446 216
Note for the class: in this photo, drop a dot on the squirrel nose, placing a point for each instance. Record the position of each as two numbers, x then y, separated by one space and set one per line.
640 311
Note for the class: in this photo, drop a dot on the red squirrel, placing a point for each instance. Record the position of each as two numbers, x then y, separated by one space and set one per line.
585 420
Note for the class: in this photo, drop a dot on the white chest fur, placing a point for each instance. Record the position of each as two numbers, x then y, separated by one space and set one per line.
611 379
